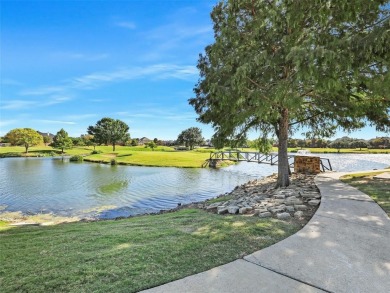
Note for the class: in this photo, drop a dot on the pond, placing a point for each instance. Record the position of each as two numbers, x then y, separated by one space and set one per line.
89 190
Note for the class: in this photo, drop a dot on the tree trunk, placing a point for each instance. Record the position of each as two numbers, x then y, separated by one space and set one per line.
113 147
283 165
26 147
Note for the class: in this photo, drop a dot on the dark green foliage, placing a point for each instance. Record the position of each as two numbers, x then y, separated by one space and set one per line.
62 141
280 66
113 162
152 145
95 152
109 131
190 137
76 158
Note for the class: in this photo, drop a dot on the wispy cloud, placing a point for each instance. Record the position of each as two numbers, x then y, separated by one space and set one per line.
9 81
53 100
24 104
68 89
79 117
16 104
79 56
126 24
44 90
55 122
158 71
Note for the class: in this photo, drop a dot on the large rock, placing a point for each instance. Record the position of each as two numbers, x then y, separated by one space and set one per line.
244 210
292 201
300 207
314 202
298 214
222 210
290 208
233 209
283 216
265 215
213 206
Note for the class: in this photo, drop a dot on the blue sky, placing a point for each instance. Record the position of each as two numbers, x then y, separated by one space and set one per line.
67 64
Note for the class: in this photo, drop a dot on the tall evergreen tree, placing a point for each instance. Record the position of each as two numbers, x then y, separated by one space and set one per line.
280 65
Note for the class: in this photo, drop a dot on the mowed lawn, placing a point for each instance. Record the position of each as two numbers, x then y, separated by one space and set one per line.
161 156
377 189
131 254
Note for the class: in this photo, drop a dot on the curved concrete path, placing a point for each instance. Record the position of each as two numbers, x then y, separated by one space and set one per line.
345 247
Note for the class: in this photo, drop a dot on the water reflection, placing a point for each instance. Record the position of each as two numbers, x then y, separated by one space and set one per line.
43 185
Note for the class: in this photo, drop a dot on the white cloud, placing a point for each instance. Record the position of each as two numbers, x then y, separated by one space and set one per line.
79 117
24 104
55 122
157 71
44 90
79 56
126 24
16 104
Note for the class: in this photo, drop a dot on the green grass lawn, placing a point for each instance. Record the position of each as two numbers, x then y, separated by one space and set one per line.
377 189
188 159
161 156
344 151
131 254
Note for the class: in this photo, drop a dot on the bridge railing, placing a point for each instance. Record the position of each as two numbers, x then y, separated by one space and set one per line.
257 157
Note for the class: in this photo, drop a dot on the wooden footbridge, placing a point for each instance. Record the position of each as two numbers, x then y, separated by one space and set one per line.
259 158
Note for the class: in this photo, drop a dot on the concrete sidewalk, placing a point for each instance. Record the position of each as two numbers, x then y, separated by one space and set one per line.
345 247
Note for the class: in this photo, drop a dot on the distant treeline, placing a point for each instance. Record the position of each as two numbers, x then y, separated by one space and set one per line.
341 143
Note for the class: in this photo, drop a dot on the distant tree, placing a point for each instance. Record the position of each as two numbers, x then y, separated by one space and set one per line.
62 141
109 131
134 142
380 142
26 137
359 143
262 144
292 143
301 143
47 140
281 66
155 140
152 145
77 141
190 137
87 139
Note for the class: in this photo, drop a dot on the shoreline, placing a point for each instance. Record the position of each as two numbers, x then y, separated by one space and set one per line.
257 185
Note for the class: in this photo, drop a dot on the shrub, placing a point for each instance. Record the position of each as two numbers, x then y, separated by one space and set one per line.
114 162
95 152
76 158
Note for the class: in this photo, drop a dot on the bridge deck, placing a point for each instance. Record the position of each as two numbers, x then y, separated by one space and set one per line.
257 157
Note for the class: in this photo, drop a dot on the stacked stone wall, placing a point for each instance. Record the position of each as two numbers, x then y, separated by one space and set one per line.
307 164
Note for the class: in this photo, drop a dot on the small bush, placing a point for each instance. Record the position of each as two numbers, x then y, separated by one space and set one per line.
76 158
95 152
113 162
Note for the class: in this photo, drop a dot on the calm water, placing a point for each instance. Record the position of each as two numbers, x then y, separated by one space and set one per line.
43 185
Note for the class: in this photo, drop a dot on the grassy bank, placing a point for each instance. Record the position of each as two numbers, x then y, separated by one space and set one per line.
343 151
141 156
161 156
131 254
377 189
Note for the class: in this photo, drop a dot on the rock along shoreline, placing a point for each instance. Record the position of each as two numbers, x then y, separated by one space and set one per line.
257 198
